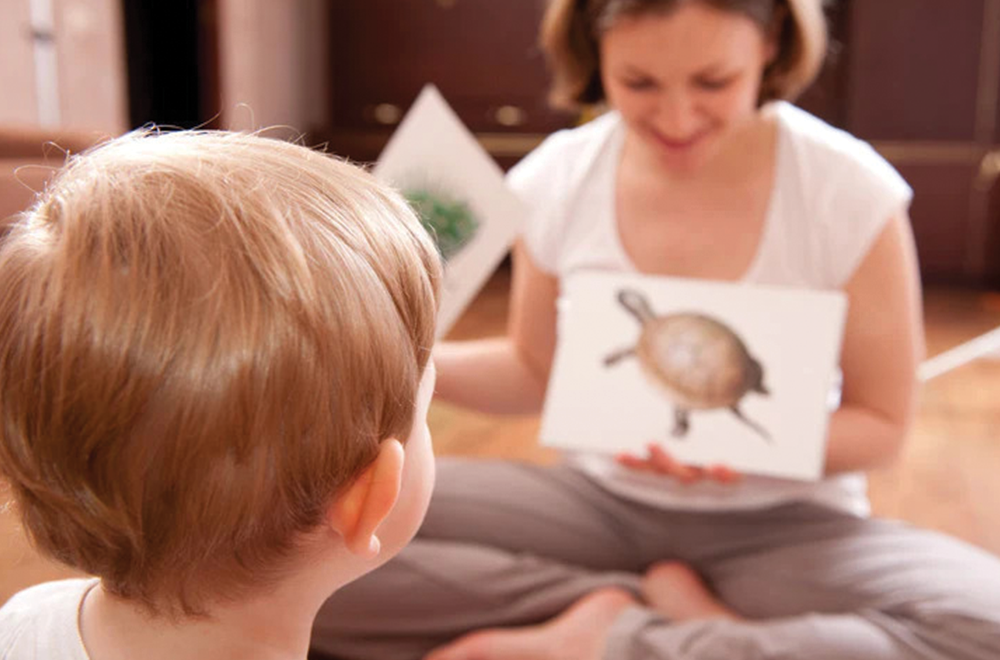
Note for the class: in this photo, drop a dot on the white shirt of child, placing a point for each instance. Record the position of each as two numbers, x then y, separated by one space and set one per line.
832 196
43 622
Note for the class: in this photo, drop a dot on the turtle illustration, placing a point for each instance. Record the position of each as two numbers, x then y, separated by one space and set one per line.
698 361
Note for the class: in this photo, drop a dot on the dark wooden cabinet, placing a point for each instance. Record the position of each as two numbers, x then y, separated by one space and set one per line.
991 250
482 54
914 69
920 79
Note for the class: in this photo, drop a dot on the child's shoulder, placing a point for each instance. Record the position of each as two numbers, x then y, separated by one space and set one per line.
42 621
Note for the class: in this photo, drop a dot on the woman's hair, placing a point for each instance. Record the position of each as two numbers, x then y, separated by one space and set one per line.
572 29
204 336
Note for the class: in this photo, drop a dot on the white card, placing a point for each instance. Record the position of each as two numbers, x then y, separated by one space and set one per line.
686 363
456 186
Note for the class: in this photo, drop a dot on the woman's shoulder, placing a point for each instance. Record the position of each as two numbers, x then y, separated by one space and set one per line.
577 139
833 154
843 185
551 179
44 618
563 155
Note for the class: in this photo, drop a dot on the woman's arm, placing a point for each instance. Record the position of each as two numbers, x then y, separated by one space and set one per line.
506 375
883 346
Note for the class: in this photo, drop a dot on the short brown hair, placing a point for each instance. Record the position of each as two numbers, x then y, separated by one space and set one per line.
572 29
203 337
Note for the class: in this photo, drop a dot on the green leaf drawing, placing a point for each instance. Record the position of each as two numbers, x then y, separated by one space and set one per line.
451 222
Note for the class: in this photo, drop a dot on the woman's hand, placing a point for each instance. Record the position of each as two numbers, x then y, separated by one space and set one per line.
660 462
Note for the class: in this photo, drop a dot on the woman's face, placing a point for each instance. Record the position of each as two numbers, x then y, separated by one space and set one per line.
685 81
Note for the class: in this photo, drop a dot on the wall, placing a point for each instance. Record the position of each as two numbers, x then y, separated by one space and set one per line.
18 103
88 87
272 63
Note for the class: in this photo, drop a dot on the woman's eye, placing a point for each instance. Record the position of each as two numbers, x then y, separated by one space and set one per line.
713 84
639 84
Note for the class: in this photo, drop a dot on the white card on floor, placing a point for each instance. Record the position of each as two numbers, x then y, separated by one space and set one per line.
717 373
460 194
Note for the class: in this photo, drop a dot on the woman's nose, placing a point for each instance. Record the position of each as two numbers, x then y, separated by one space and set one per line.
676 117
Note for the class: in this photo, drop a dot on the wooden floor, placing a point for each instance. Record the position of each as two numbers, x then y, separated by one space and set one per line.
948 478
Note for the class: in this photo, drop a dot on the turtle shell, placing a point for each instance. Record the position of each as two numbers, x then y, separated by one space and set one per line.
699 361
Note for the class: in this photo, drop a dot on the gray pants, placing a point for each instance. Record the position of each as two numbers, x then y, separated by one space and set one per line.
506 544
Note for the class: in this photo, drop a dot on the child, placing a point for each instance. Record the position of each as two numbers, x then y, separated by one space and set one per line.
700 170
214 378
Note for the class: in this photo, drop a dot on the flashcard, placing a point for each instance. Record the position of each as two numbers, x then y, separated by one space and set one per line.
459 193
718 373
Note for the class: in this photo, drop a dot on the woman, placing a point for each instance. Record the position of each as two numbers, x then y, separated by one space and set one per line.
700 170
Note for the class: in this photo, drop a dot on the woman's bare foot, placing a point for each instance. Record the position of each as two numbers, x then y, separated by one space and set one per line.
579 633
677 593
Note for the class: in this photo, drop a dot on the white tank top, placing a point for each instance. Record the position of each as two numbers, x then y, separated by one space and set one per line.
832 196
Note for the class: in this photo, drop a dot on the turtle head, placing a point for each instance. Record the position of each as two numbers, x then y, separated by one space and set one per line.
636 304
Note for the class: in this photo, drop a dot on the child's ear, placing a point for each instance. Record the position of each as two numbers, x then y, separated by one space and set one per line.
364 504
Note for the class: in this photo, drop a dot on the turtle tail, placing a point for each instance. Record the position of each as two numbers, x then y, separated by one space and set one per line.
636 304
757 428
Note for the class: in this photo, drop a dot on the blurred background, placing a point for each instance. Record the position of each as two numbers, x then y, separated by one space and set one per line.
919 79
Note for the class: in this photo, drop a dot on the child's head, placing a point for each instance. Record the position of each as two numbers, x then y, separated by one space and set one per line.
204 338
573 30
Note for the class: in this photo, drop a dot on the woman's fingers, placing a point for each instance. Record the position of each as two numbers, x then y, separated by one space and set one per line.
660 461
667 464
723 474
634 462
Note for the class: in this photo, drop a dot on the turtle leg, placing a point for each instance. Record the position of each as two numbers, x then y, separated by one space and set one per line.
681 422
618 356
752 424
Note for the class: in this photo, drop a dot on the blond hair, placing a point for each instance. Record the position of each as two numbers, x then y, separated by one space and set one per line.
572 29
203 337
